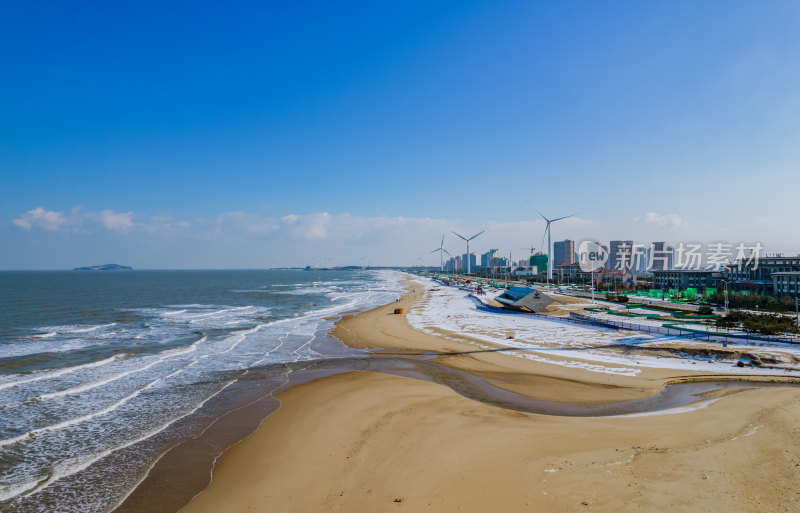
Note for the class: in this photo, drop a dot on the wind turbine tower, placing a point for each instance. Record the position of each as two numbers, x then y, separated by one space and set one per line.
441 251
466 239
550 244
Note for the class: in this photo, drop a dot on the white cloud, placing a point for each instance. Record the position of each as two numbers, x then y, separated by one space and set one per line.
120 222
41 218
673 220
308 227
76 219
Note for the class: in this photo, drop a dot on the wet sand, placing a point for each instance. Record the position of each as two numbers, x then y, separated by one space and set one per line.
371 441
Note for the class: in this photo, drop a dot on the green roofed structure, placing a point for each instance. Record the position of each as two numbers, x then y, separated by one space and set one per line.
539 260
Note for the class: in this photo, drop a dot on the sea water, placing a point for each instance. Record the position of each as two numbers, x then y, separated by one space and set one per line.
100 370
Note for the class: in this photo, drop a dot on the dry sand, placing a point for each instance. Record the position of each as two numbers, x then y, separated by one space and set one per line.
372 442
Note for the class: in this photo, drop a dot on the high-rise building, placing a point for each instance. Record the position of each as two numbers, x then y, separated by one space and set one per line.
563 252
539 260
641 258
458 262
620 255
661 255
487 259
473 261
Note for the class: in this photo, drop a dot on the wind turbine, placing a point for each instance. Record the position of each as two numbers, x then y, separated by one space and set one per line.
441 251
550 245
466 239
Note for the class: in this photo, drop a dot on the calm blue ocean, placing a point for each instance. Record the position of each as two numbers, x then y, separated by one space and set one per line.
94 363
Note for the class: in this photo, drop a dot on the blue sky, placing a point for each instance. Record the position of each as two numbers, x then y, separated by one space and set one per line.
193 134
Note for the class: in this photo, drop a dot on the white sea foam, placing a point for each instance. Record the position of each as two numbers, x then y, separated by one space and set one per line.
217 312
42 375
176 312
76 420
74 465
95 384
70 331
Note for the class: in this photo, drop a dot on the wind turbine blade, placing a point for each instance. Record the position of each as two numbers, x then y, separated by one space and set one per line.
543 217
459 236
476 235
435 250
544 235
442 244
448 253
560 218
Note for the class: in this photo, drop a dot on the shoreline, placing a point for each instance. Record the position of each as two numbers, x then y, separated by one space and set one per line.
185 469
300 400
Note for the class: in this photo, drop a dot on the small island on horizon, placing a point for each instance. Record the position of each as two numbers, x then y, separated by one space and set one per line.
105 267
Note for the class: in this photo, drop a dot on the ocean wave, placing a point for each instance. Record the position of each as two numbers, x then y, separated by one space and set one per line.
217 312
85 330
72 466
95 384
176 312
45 335
42 375
77 420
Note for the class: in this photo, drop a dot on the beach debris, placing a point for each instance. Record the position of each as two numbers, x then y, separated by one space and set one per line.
398 500
399 311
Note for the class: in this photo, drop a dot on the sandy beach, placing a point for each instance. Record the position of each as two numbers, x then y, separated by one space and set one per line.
366 441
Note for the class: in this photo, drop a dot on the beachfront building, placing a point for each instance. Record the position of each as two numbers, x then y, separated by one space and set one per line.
682 279
771 275
608 277
571 270
572 273
524 299
563 252
786 283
